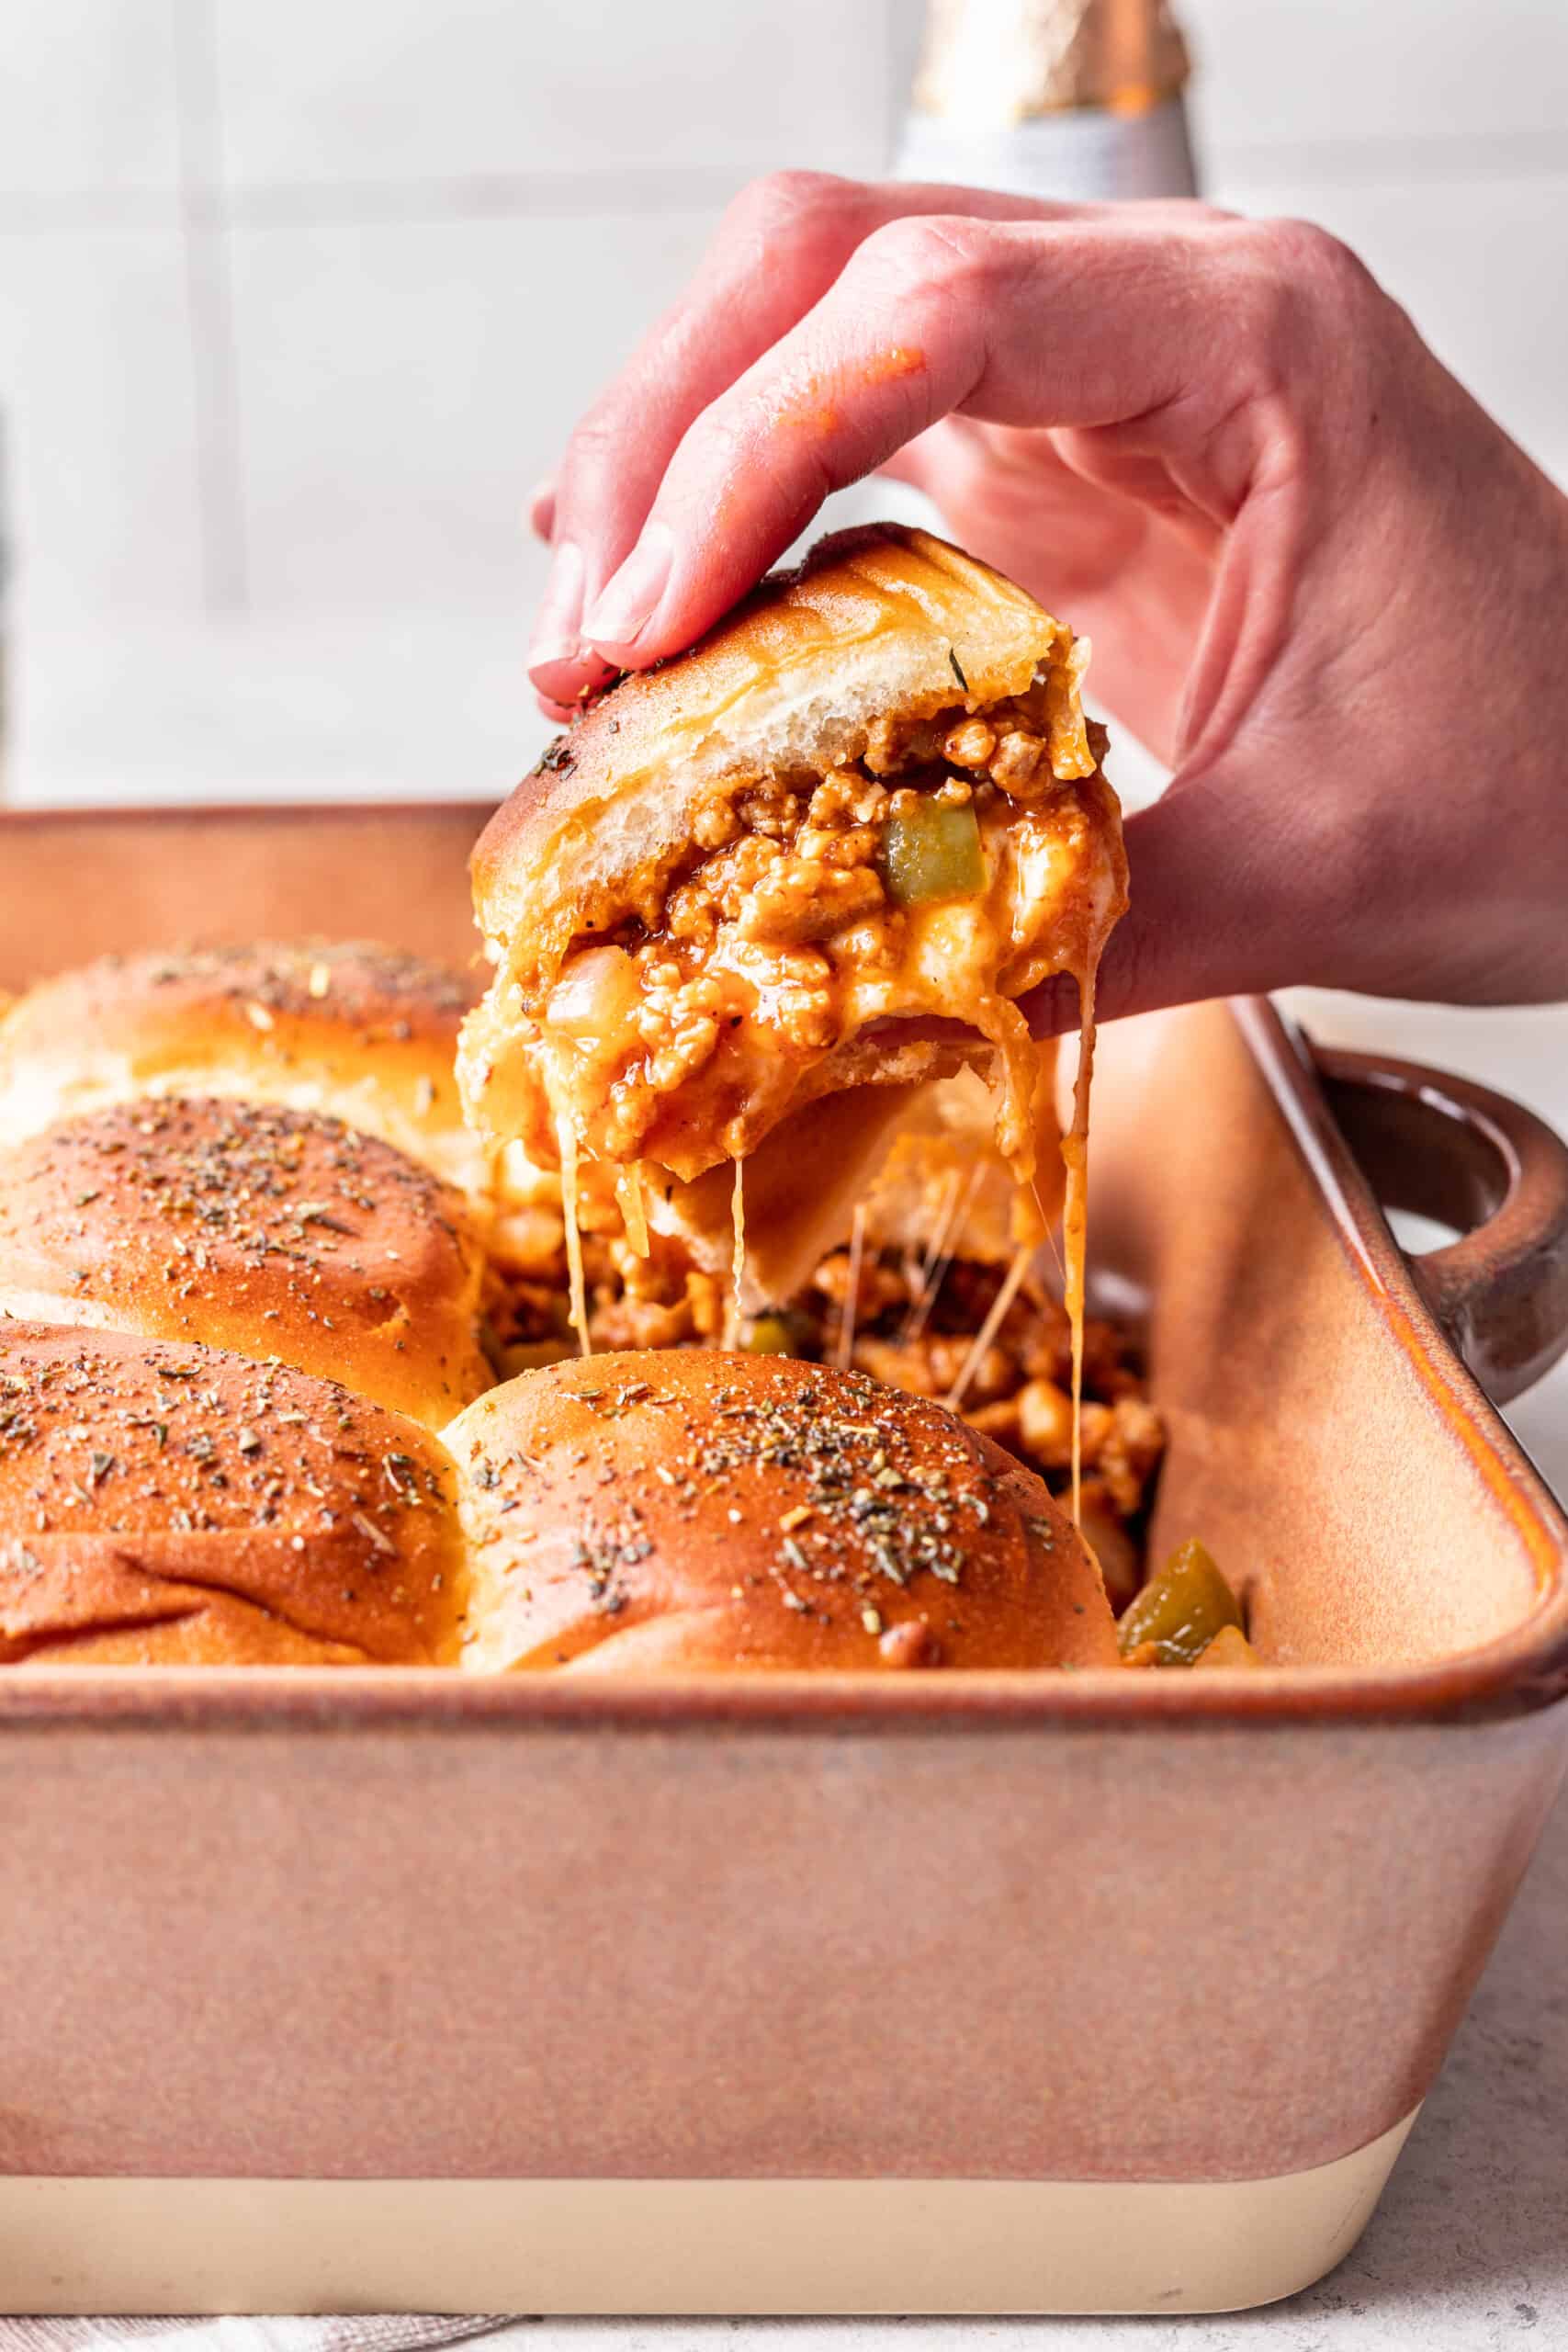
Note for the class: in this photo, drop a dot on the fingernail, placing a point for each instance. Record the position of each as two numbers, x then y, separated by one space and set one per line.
540 506
629 600
558 629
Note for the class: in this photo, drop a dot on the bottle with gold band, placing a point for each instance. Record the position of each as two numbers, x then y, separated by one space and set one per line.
1080 100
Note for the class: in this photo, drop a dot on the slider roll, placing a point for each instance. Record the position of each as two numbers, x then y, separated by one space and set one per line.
360 1032
279 1233
169 1505
691 1512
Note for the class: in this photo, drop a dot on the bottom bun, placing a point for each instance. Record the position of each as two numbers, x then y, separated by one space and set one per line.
650 1512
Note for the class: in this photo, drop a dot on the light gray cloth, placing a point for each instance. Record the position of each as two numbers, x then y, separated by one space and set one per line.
395 2333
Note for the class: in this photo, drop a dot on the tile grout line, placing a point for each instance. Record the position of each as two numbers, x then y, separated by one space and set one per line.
664 188
1351 163
210 309
1363 159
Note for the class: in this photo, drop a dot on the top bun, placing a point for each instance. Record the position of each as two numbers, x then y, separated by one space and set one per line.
360 1032
871 624
692 1511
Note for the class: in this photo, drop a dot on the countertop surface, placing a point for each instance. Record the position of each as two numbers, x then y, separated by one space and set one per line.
1467 2252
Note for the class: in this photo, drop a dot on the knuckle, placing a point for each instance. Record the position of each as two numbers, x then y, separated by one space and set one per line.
1314 261
596 428
592 453
781 204
1301 280
728 443
718 443
1190 216
1299 307
931 255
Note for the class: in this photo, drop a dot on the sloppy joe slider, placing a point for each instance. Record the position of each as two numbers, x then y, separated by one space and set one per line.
867 802
355 1030
248 1225
164 1505
691 1511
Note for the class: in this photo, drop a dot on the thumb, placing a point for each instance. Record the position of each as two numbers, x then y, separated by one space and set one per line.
1204 917
925 463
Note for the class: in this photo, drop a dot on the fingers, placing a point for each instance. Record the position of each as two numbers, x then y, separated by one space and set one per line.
541 505
780 249
1082 321
1087 548
926 463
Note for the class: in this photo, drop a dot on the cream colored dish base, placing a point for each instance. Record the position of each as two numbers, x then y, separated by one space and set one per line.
744 2248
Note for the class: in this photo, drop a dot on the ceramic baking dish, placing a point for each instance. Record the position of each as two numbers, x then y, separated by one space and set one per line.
369 1990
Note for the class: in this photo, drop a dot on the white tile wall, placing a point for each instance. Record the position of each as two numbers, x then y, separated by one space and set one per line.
1391 74
363 705
100 421
87 102
1480 263
484 97
296 300
402 383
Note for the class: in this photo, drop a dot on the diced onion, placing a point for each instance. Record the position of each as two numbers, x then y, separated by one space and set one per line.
596 991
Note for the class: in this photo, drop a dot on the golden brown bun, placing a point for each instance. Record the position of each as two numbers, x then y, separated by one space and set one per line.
170 1505
278 1233
685 1510
869 624
358 1031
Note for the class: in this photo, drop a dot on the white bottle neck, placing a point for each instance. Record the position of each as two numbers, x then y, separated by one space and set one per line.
1083 155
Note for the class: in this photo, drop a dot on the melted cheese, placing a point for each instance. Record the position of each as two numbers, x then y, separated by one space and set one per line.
1074 1214
1012 1282
735 1305
751 966
843 1354
690 1050
1075 1237
566 1137
634 1213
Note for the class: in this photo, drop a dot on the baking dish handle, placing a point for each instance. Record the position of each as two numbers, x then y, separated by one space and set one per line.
1482 1165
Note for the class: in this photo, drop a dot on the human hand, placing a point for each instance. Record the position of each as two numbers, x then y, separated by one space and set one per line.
1321 580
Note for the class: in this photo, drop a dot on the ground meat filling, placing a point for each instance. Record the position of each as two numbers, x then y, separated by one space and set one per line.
808 907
